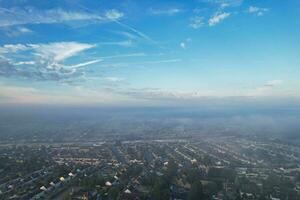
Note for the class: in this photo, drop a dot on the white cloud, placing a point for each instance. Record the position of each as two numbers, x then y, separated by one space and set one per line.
166 94
273 83
75 95
125 43
24 30
149 62
13 48
217 18
266 89
113 14
168 11
59 51
124 55
85 63
22 16
127 35
197 22
160 61
16 31
257 11
25 63
225 3
137 32
183 45
113 79
46 60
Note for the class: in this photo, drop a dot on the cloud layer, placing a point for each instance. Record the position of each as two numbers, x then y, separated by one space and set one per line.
46 60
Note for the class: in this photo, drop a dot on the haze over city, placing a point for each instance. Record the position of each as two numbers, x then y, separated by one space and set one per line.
150 100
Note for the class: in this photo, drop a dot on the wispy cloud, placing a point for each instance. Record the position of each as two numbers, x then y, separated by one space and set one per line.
85 63
217 18
113 14
197 22
124 55
22 16
137 32
25 63
184 43
124 43
225 3
149 62
13 48
265 89
257 11
113 79
76 95
58 51
159 61
273 83
160 94
16 31
46 60
166 11
126 34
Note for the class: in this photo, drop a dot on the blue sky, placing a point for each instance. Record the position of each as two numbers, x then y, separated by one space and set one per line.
148 52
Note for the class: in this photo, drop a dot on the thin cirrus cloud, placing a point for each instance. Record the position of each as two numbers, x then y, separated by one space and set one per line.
257 11
139 54
273 83
22 16
143 63
217 18
113 14
46 60
197 22
17 31
85 63
124 43
166 11
59 51
200 20
225 3
76 95
266 89
113 79
183 45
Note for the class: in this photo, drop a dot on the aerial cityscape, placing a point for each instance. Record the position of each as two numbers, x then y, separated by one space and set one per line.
207 167
148 154
150 100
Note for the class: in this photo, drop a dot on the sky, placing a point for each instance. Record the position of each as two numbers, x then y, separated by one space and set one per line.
105 52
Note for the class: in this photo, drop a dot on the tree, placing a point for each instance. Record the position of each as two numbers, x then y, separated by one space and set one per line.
67 196
196 192
193 175
161 190
171 170
113 193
